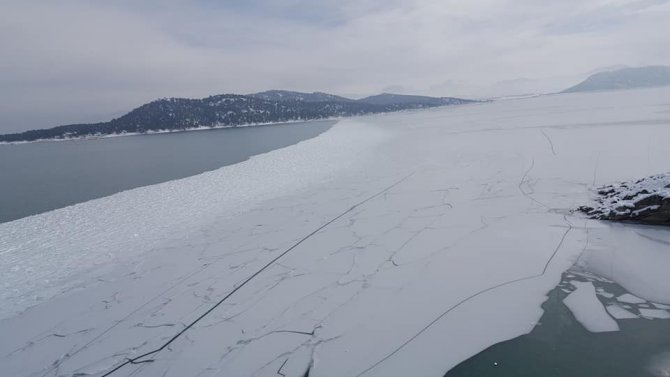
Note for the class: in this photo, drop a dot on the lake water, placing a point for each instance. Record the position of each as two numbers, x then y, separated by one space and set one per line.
40 177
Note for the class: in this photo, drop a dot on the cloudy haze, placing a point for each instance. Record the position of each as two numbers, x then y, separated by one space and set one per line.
81 61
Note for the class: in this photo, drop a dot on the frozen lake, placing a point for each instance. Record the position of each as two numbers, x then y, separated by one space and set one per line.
39 177
405 244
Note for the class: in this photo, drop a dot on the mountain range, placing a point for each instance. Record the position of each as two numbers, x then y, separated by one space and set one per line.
230 110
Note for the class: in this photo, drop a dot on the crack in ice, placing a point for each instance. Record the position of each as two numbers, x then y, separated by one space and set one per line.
429 325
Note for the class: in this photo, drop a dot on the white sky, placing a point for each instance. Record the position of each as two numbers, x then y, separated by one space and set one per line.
75 61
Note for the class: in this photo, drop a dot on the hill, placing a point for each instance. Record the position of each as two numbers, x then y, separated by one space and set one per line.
625 78
286 95
402 99
227 110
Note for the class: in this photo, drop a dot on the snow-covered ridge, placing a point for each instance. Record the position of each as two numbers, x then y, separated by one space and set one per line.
645 200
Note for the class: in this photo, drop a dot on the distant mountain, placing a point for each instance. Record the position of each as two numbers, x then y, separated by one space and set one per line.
286 95
626 78
229 110
384 99
608 68
416 101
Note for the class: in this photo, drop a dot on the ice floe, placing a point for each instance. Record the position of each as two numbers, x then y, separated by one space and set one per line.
630 299
586 308
619 312
655 313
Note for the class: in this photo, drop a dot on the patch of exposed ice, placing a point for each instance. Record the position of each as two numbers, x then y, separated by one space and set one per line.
630 299
588 311
602 292
619 312
654 313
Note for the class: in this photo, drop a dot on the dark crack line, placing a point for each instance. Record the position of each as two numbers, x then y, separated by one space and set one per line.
551 143
523 180
132 361
255 274
311 333
429 325
127 316
279 372
154 326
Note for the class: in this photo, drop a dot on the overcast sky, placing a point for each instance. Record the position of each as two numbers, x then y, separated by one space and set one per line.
76 61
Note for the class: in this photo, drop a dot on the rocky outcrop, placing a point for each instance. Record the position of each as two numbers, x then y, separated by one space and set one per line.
646 201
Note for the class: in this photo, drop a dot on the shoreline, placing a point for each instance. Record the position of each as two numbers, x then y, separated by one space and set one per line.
206 128
165 131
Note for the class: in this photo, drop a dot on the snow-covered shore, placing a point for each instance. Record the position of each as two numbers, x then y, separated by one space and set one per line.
407 242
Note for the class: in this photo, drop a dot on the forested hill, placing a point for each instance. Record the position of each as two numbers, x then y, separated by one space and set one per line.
402 99
229 110
286 95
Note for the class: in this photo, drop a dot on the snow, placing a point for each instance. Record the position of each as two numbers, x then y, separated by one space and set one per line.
413 241
588 311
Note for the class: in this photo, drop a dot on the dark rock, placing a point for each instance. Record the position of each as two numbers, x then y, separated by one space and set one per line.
644 201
